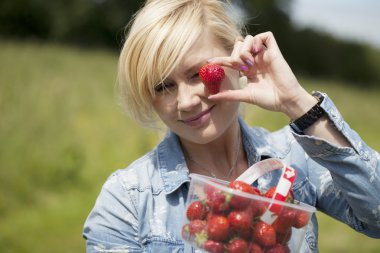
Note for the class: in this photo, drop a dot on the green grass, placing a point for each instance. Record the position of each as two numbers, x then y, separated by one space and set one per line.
62 134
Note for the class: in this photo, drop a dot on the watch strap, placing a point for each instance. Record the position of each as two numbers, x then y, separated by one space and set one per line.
310 117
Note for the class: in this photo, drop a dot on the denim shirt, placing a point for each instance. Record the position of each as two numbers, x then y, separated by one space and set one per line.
142 208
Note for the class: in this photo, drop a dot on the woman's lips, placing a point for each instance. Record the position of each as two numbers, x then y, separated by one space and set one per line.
198 119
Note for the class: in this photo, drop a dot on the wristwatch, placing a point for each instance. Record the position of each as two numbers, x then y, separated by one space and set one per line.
309 118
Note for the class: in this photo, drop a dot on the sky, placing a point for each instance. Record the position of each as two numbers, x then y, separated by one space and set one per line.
356 20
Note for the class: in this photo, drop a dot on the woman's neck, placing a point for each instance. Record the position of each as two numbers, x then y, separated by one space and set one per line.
223 157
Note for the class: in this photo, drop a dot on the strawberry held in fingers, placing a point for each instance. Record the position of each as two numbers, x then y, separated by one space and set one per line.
212 76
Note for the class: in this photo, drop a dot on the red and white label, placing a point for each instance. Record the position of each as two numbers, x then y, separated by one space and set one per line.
283 187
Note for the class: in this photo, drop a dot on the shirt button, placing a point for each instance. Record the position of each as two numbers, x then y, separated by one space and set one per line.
318 142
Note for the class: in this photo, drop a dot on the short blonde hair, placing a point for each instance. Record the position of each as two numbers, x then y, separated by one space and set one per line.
159 35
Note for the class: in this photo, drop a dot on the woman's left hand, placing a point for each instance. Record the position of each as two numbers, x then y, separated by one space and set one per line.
271 83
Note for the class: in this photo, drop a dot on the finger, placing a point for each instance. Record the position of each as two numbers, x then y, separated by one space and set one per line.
247 50
231 95
227 61
224 61
264 41
236 60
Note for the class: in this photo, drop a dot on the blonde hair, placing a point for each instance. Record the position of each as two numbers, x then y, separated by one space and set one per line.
159 35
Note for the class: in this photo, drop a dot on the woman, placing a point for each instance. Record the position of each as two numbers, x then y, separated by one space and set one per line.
141 208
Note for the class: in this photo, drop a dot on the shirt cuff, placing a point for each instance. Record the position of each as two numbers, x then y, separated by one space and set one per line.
315 146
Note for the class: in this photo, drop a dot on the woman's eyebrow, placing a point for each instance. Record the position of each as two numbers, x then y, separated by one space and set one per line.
195 67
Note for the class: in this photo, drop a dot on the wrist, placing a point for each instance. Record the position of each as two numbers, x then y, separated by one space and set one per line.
308 119
300 105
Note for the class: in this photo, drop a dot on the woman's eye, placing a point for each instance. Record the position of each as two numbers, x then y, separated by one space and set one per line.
195 76
159 88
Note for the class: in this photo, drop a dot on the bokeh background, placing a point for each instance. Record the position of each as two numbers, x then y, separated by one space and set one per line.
62 132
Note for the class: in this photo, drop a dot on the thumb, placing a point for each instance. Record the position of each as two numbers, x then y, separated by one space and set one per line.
232 95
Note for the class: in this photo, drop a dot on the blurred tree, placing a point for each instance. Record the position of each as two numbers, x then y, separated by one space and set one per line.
23 18
83 22
311 52
92 23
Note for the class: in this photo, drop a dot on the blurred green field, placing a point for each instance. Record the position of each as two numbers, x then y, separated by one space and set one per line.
62 133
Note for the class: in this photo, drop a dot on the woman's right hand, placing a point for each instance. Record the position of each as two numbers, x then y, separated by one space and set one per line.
271 83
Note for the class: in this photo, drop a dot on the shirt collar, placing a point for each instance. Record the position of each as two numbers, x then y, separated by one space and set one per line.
258 144
171 163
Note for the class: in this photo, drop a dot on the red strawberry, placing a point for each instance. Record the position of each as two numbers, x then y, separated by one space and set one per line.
240 222
269 194
285 220
196 211
240 202
284 238
210 215
212 76
213 246
209 189
217 200
197 226
237 245
242 186
276 207
278 248
302 218
255 248
256 190
271 191
258 207
264 234
218 228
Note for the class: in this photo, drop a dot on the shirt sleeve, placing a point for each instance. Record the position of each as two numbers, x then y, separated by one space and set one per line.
349 190
112 224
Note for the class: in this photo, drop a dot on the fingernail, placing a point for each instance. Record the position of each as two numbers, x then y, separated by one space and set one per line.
249 62
211 60
243 68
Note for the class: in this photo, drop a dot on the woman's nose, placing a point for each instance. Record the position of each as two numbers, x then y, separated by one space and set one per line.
187 97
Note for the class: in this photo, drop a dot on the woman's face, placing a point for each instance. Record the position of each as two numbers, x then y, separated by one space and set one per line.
181 100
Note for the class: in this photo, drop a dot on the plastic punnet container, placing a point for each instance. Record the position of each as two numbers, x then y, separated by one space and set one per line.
223 219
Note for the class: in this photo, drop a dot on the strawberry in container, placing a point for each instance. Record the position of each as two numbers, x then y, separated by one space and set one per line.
237 217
